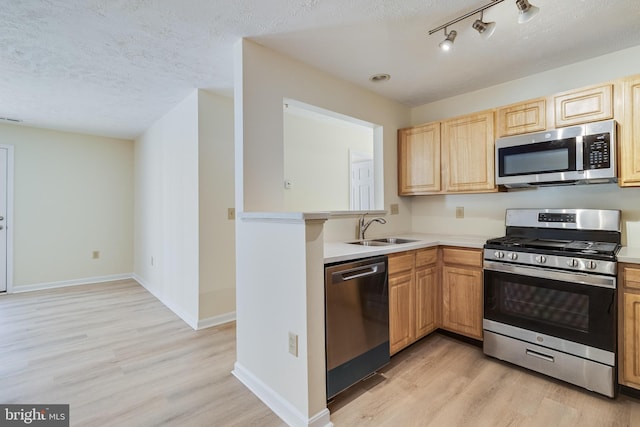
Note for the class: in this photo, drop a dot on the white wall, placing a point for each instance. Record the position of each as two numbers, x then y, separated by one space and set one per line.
166 209
316 153
484 213
263 79
73 196
216 195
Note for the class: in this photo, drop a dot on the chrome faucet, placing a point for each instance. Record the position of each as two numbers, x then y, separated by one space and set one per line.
362 226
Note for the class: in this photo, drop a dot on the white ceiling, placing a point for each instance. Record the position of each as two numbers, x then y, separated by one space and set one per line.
112 67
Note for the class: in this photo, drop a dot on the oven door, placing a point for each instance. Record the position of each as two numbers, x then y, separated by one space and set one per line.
574 307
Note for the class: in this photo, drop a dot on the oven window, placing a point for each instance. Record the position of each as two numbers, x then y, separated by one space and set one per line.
536 162
541 157
549 306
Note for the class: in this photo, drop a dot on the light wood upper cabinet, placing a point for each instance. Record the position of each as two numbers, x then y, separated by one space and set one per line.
629 137
521 118
462 282
629 358
468 153
419 160
584 105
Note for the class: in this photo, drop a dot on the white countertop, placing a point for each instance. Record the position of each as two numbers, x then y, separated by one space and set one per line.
342 251
627 254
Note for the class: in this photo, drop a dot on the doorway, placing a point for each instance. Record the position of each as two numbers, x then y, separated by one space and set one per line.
6 202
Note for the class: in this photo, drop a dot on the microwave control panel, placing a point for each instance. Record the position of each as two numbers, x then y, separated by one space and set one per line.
597 151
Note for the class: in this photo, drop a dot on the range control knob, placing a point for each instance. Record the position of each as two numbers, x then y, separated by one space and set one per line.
572 262
541 259
498 254
591 265
512 256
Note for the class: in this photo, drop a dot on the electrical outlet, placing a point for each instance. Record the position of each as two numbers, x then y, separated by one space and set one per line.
460 212
95 254
231 213
288 185
394 208
293 344
151 261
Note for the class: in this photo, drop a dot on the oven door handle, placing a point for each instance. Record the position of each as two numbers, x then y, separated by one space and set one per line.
545 273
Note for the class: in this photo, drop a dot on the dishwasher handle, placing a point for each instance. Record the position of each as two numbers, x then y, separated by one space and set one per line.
358 272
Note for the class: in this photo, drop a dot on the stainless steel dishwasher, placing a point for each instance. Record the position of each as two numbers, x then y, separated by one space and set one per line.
356 321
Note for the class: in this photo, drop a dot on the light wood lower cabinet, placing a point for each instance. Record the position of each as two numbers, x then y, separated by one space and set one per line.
629 315
401 311
413 293
422 294
425 302
462 282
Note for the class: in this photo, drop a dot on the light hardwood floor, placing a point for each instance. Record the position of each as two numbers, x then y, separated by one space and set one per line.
120 358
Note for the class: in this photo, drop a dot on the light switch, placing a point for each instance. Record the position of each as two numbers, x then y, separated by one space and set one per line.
293 344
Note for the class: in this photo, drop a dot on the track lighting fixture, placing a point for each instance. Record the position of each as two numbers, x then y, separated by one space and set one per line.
526 12
485 29
447 43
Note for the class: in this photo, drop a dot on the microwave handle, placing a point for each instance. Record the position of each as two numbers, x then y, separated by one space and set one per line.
579 153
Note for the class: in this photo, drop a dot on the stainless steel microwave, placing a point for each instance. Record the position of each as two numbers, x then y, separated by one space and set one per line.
583 154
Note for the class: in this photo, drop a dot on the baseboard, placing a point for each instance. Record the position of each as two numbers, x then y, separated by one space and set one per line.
216 320
74 282
629 391
189 320
280 406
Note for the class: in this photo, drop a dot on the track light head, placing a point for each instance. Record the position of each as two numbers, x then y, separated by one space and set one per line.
485 29
527 11
447 43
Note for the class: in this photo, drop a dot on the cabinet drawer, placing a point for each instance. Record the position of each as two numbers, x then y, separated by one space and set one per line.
426 257
459 256
400 262
631 277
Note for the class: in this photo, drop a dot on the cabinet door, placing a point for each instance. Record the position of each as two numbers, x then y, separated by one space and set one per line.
631 340
522 118
629 167
401 315
584 105
462 300
468 153
426 297
419 159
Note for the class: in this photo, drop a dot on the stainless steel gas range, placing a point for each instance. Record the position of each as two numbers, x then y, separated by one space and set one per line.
550 294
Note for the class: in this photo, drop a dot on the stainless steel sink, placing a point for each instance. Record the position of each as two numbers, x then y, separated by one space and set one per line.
394 240
369 243
382 242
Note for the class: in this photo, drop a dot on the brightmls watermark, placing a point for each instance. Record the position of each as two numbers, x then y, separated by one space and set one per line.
34 415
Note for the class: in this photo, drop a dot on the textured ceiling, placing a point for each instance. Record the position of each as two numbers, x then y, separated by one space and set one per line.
112 67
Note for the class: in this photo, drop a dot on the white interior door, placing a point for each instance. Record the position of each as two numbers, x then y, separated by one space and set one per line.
4 175
362 185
